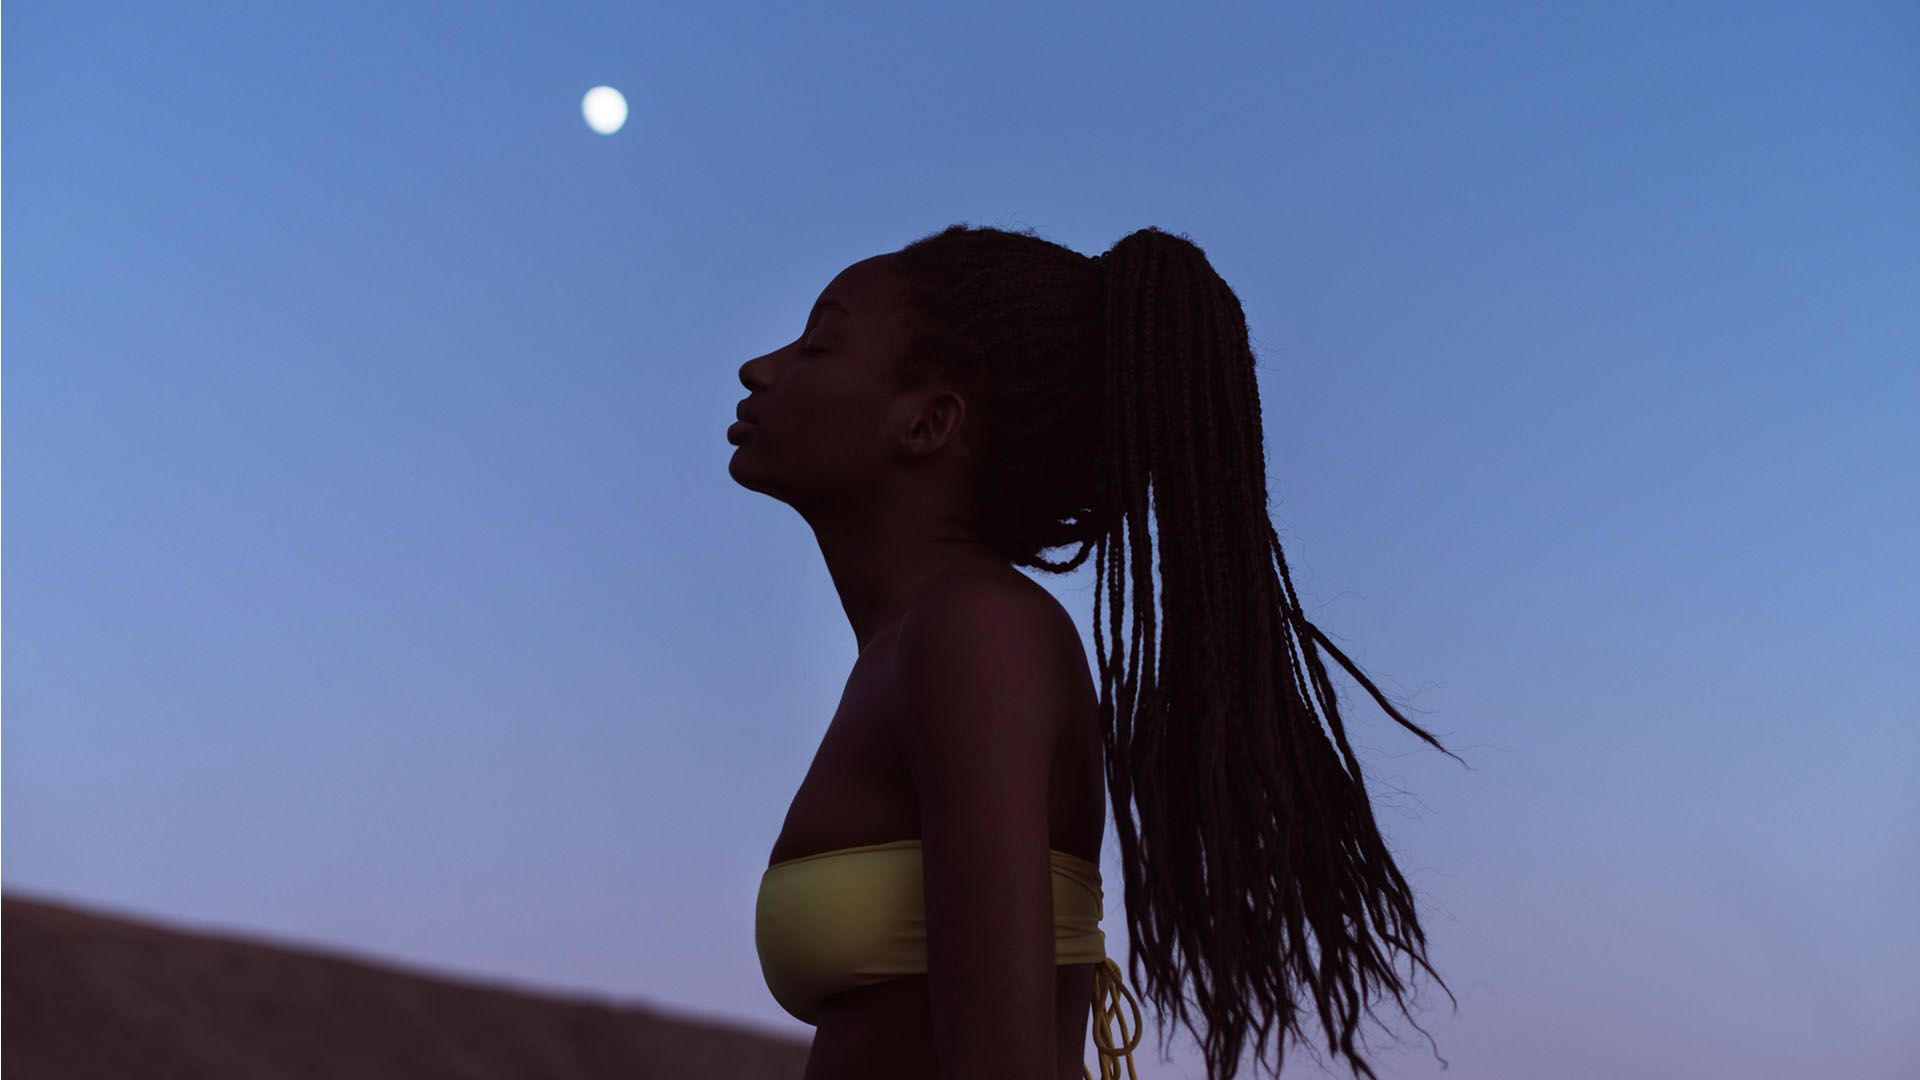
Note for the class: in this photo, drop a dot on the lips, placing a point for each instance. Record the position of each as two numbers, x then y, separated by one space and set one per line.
740 411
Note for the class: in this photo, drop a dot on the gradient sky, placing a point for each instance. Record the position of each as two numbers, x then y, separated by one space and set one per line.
372 569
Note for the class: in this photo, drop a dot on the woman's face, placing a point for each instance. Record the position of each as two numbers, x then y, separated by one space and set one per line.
825 412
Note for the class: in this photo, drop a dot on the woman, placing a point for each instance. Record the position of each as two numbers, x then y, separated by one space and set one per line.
952 410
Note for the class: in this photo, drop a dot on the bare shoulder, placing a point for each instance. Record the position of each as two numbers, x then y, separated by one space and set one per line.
1011 608
989 661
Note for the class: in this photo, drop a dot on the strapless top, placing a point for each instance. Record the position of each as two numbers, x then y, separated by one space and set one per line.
856 916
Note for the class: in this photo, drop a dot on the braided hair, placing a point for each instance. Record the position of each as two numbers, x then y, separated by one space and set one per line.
1117 390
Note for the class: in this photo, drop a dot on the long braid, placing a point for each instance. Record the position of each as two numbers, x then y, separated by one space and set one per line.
1119 403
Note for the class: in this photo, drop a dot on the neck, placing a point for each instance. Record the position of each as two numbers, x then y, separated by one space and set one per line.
881 563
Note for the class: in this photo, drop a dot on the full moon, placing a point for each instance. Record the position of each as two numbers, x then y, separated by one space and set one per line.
605 109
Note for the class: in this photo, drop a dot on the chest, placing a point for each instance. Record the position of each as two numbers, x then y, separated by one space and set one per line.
856 790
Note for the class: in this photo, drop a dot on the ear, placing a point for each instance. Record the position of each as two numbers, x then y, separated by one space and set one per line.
938 417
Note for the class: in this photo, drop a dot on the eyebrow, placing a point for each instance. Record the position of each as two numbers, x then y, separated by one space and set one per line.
823 304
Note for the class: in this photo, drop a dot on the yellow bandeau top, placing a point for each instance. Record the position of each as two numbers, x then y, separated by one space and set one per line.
854 916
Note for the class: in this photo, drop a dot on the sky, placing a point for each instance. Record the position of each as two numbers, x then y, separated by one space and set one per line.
373 578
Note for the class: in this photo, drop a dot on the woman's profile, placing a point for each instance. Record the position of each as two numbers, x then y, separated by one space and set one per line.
932 903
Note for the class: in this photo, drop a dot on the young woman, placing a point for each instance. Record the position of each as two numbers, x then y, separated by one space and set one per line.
932 904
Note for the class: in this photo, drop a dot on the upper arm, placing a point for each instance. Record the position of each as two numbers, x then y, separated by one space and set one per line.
980 685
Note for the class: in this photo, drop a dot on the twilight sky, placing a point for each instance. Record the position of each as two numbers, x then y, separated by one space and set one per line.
372 568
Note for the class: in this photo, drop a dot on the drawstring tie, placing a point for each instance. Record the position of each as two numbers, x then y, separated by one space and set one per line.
1109 987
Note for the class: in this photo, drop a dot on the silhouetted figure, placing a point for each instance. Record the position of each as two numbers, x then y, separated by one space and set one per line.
952 411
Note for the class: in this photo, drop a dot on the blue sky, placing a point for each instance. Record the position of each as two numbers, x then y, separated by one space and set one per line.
372 566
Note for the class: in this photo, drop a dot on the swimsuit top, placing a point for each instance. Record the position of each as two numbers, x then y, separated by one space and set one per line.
856 916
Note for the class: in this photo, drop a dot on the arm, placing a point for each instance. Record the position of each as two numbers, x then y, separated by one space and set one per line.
980 687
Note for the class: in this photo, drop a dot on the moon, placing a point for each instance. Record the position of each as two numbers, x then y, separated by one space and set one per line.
605 109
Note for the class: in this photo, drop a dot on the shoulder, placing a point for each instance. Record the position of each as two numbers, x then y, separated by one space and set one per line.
983 671
1005 624
966 600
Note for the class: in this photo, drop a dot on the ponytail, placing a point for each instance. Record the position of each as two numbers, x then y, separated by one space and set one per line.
1120 389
